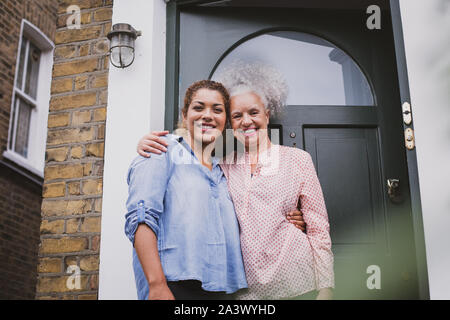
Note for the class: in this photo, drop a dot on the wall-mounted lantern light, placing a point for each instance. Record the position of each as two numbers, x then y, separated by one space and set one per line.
121 47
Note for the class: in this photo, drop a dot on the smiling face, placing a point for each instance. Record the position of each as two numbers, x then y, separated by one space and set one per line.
205 117
249 119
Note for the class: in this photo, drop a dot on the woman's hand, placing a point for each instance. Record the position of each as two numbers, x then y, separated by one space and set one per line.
160 292
152 142
325 294
296 218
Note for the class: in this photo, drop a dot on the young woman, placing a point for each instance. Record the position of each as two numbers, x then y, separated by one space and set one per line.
180 217
266 182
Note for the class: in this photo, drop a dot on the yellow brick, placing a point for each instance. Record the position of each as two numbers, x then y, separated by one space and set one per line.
58 120
106 63
103 98
63 245
100 114
59 284
95 243
54 190
99 81
75 67
74 188
89 263
70 261
65 207
72 225
101 132
80 117
95 150
81 83
65 171
107 28
92 187
93 282
73 101
83 4
74 35
56 154
61 85
87 169
52 227
65 52
84 50
70 136
98 205
103 14
76 152
48 265
100 47
91 224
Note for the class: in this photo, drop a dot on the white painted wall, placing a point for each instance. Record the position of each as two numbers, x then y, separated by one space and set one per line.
135 105
426 28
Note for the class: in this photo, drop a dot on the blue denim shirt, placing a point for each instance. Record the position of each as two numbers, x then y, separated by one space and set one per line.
189 209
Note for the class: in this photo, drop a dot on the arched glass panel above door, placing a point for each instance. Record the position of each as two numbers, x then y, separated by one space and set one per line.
317 72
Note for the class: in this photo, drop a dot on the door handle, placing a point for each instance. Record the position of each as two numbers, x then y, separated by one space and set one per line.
393 188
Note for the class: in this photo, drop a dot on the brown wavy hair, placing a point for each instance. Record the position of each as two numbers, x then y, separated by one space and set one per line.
205 84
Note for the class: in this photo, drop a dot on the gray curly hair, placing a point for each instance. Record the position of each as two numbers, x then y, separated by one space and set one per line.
264 80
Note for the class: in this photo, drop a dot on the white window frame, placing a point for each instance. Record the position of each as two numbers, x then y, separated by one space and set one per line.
35 160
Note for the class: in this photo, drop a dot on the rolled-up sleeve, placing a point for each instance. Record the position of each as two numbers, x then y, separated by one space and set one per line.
147 183
317 226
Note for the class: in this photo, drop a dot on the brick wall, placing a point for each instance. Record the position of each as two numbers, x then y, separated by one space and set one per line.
20 198
72 192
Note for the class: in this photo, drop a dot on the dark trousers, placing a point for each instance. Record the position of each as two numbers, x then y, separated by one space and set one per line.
192 290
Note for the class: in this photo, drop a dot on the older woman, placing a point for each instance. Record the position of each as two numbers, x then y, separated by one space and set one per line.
266 182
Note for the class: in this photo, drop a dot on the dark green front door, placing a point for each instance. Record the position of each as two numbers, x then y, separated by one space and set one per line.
344 109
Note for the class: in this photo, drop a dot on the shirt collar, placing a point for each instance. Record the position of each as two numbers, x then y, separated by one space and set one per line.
265 158
181 140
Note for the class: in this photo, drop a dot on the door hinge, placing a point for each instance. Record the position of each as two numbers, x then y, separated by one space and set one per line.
407 115
409 138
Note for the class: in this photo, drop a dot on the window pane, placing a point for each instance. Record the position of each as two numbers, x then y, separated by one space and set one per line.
317 72
22 53
23 128
34 55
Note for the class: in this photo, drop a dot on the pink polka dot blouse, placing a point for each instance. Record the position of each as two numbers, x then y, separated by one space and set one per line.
280 260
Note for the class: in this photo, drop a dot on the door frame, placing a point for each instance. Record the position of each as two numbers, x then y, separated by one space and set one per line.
411 156
171 115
